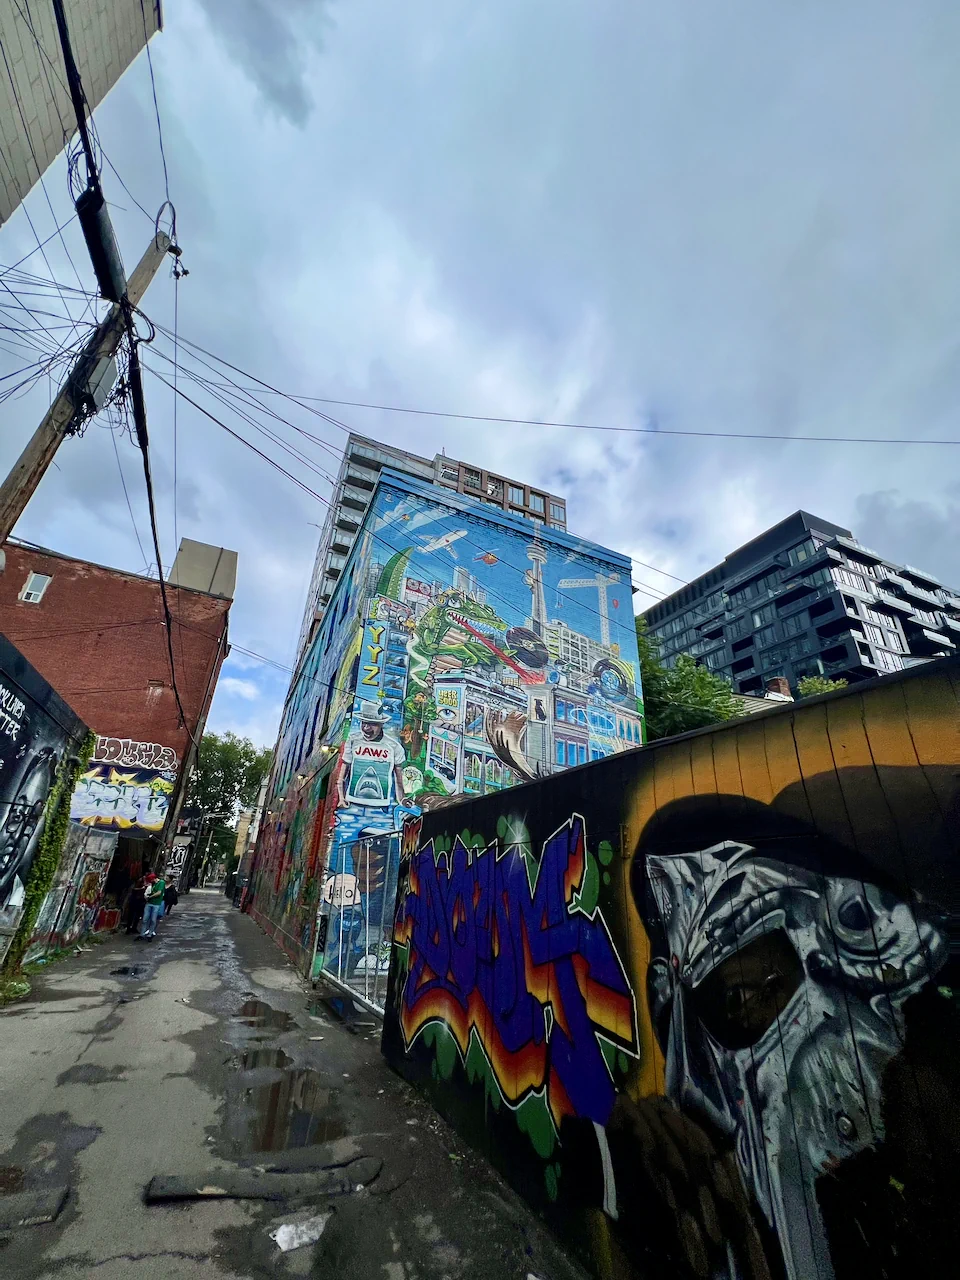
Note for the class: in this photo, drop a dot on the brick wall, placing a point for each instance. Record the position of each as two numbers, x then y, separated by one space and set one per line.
98 637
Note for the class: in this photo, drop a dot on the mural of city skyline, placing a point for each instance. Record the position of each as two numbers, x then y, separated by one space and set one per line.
463 652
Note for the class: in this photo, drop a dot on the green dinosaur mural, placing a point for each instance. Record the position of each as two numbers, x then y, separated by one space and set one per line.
440 634
392 574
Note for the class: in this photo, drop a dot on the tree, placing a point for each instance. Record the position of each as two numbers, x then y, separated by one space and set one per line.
228 773
686 696
810 686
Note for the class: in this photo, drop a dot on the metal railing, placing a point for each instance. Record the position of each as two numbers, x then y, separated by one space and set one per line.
355 921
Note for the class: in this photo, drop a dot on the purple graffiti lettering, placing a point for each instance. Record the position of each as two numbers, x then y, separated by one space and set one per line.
489 954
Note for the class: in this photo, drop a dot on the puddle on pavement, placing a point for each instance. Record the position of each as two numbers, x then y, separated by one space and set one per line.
129 971
270 1105
290 1108
261 1017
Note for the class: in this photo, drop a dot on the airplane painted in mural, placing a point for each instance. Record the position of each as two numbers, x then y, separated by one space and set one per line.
443 542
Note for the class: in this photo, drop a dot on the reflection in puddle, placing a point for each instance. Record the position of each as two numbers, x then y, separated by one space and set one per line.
254 1013
270 1107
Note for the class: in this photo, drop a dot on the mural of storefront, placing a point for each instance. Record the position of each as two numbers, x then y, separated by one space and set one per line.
700 1002
434 674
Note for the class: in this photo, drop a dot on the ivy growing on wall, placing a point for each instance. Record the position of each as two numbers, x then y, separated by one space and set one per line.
56 818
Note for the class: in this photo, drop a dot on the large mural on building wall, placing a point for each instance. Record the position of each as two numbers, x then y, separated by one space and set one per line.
37 732
700 1003
460 655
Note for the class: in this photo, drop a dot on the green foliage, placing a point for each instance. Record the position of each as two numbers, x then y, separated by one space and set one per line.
228 774
56 818
686 696
810 686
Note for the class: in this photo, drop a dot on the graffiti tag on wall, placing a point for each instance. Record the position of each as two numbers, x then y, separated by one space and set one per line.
128 800
516 954
783 894
138 755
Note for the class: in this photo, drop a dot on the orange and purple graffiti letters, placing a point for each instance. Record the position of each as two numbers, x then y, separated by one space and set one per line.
521 966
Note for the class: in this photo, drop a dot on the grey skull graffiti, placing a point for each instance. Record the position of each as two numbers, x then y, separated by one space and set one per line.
779 1005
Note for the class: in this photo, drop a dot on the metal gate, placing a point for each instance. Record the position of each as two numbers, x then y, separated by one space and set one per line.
355 919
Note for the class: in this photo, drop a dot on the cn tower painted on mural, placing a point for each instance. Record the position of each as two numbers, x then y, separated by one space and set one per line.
537 555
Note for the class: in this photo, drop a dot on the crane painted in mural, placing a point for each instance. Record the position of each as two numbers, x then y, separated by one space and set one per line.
599 584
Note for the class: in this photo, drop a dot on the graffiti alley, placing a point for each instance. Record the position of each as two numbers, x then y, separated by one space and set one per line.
201 1059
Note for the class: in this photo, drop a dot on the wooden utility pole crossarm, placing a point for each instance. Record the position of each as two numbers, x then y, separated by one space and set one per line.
19 486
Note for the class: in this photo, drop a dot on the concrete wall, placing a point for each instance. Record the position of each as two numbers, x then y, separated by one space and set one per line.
35 110
699 1002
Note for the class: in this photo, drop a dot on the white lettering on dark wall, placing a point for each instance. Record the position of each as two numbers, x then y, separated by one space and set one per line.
11 713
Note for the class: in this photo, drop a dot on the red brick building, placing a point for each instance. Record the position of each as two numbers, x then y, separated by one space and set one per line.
98 636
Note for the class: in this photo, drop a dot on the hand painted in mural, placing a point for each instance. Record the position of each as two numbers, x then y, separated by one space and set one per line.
512 954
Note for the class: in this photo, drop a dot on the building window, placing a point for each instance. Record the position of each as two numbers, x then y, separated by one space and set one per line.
582 753
537 503
766 635
516 495
560 754
558 512
874 634
561 709
471 478
848 578
766 613
495 488
894 641
889 661
571 753
34 587
449 472
795 623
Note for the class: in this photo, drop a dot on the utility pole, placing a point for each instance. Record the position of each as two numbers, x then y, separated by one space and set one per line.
19 486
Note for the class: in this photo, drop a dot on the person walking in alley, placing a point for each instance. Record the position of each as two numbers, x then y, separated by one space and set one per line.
170 897
153 905
135 900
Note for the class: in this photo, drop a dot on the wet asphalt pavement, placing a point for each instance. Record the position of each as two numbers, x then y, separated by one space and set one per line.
203 1054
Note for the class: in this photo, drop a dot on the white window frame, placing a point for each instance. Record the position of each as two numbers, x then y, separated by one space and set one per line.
32 594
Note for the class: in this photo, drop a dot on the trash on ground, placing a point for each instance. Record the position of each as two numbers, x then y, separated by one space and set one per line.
251 1184
30 1208
294 1235
316 1037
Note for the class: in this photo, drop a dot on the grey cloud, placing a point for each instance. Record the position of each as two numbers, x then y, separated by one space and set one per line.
914 531
271 40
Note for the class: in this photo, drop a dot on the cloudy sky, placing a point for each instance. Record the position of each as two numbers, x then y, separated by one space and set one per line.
694 216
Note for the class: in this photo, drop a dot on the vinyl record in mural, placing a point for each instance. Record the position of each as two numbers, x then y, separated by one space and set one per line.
528 648
613 679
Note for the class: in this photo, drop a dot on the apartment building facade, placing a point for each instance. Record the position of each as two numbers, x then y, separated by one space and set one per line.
363 460
806 598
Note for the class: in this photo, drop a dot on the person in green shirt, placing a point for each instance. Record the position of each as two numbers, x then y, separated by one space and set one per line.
153 904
